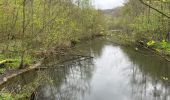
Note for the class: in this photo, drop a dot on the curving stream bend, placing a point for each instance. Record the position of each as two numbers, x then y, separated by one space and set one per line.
115 73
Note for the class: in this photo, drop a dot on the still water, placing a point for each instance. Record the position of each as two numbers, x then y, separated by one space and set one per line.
114 73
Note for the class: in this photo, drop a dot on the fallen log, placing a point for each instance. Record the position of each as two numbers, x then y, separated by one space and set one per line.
7 76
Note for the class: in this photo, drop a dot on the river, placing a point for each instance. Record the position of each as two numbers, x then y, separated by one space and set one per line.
114 73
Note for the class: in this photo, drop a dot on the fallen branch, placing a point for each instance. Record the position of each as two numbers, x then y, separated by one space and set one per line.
9 75
77 59
69 60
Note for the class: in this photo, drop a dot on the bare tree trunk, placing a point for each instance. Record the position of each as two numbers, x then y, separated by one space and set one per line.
22 37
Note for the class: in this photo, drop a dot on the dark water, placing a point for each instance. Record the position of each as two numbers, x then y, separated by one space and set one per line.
115 73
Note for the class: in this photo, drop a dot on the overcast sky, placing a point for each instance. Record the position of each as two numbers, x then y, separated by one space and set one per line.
107 4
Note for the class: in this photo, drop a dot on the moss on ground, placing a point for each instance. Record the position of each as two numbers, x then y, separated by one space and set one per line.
12 61
162 47
9 96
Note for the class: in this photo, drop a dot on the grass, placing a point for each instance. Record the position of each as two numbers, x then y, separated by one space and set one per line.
163 46
12 61
10 96
6 96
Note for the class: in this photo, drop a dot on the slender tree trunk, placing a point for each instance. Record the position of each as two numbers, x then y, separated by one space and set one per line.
22 37
32 16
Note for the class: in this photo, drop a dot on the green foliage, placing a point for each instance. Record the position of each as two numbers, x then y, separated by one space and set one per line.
6 96
48 24
151 43
43 24
12 61
10 96
38 25
160 46
145 22
164 46
2 70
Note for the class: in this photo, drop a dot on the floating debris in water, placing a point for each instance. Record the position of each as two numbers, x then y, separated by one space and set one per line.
136 49
165 78
4 79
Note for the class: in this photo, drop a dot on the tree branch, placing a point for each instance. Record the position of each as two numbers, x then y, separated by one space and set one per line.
167 16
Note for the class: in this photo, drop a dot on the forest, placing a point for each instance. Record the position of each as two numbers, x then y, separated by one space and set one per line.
38 34
145 21
30 27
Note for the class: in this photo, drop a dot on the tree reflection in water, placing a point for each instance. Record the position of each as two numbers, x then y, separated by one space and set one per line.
115 73
148 73
74 86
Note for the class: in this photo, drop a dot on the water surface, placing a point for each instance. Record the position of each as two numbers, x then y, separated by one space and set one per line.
115 73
